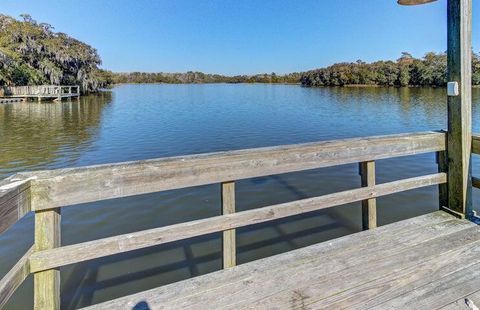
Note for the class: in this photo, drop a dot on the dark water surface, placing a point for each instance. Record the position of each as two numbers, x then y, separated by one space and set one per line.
148 121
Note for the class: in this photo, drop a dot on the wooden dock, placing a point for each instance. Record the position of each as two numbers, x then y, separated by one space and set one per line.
427 262
41 92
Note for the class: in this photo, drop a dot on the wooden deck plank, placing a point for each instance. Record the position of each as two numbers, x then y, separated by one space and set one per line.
306 285
376 293
365 239
314 267
465 303
346 245
439 293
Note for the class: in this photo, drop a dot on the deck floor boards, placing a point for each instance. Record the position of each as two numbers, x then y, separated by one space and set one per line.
465 302
427 262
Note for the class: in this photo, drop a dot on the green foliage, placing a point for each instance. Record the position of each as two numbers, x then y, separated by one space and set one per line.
31 53
431 70
196 78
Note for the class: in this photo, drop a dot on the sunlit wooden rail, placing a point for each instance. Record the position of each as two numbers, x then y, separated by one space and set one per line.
55 92
46 192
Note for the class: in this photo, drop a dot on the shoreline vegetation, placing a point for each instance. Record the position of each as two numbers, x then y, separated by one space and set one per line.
32 53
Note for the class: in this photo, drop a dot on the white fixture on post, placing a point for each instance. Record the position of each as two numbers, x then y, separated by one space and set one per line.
452 89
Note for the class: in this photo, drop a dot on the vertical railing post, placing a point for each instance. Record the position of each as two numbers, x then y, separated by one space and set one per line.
229 242
369 206
442 188
47 283
459 136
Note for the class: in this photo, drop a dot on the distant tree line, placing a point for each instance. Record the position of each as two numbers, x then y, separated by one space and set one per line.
31 53
431 70
197 78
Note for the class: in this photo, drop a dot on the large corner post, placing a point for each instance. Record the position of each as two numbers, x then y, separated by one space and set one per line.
459 136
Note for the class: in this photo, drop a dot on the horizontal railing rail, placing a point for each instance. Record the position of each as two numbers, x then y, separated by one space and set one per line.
14 201
64 187
15 277
46 192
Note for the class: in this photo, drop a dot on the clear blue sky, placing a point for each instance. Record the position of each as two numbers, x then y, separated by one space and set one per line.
243 36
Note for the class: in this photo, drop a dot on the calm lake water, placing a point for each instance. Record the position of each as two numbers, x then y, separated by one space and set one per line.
148 121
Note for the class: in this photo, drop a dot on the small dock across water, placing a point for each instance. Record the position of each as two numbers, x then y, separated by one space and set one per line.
40 92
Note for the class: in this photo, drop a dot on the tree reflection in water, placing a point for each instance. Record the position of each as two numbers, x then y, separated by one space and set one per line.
48 135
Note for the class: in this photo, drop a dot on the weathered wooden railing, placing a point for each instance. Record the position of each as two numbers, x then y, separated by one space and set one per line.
46 192
42 91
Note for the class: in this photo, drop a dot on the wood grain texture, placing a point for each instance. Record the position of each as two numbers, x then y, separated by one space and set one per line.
316 288
229 239
113 245
14 201
47 283
322 275
459 136
15 277
369 206
468 302
404 281
65 187
439 293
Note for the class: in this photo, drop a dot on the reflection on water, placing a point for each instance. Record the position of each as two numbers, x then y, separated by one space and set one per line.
148 121
37 136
